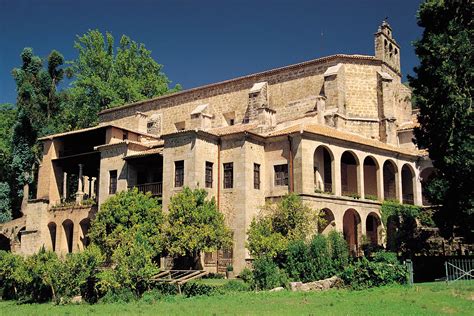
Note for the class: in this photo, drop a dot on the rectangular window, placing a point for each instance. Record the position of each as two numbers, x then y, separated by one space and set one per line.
281 175
112 181
256 176
179 173
228 175
209 166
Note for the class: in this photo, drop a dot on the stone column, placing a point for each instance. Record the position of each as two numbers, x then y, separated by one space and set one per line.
380 192
398 185
360 178
337 175
80 191
93 192
64 186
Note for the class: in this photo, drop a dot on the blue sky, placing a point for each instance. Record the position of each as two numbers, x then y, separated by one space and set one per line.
200 42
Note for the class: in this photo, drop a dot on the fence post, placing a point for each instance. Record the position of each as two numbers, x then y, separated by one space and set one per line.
446 269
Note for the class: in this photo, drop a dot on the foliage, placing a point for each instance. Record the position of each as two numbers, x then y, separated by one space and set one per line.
383 270
323 257
393 209
443 88
14 276
278 224
104 78
195 225
246 275
7 119
125 216
133 267
5 209
267 275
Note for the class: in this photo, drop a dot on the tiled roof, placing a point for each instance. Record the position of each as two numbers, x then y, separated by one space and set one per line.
153 151
88 129
233 129
342 135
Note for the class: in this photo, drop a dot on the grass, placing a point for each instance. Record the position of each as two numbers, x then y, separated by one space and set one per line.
422 299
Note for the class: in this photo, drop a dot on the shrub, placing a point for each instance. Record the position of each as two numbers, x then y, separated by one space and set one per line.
322 266
246 275
14 276
298 264
338 250
199 289
152 296
267 275
118 295
382 271
235 286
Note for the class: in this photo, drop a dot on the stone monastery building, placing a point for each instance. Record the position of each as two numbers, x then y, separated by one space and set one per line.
336 130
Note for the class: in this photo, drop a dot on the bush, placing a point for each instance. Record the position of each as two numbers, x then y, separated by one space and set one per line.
267 275
246 275
118 295
385 269
199 289
235 286
322 258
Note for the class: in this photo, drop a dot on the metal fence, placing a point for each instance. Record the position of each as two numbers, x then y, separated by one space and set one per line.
459 270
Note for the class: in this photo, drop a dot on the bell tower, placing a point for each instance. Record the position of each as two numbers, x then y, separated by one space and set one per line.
386 48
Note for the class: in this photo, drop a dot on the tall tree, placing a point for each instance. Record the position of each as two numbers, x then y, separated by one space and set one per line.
37 104
443 88
105 77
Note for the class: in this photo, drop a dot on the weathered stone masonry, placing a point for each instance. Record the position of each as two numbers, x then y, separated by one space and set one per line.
336 130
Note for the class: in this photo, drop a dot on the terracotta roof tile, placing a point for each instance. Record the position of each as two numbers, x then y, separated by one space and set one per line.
342 135
153 151
233 129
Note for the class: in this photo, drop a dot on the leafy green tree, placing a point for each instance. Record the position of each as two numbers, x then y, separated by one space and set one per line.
125 215
133 266
195 225
5 208
7 119
14 276
105 78
37 104
279 223
443 88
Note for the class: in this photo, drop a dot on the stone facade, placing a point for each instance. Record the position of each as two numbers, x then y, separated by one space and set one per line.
336 130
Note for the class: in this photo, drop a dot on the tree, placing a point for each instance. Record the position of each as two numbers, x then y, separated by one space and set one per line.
279 223
37 104
7 119
105 78
124 216
442 89
195 225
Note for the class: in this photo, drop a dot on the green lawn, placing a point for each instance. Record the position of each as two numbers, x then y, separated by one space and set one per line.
424 299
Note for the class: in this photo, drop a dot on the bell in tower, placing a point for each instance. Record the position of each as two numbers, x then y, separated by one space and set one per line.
386 48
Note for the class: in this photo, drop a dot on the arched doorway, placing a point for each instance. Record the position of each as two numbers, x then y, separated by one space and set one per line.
408 179
326 221
52 234
352 230
323 161
5 243
85 225
389 180
373 226
68 227
425 177
349 179
370 178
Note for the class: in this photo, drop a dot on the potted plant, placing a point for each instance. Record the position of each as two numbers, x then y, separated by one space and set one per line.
229 272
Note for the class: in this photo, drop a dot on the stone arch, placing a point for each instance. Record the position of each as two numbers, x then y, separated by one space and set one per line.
68 227
408 184
20 232
5 243
371 168
327 222
389 180
352 230
349 173
52 228
425 177
373 228
85 224
323 167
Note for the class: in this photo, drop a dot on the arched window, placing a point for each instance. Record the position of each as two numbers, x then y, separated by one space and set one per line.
373 227
370 178
323 170
389 180
326 221
352 230
52 234
68 227
349 179
408 179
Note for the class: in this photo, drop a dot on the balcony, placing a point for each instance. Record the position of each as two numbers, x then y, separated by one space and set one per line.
155 188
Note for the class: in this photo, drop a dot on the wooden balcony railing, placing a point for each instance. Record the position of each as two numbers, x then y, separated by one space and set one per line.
156 188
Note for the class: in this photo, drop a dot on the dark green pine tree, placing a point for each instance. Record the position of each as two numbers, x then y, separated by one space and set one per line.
442 89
